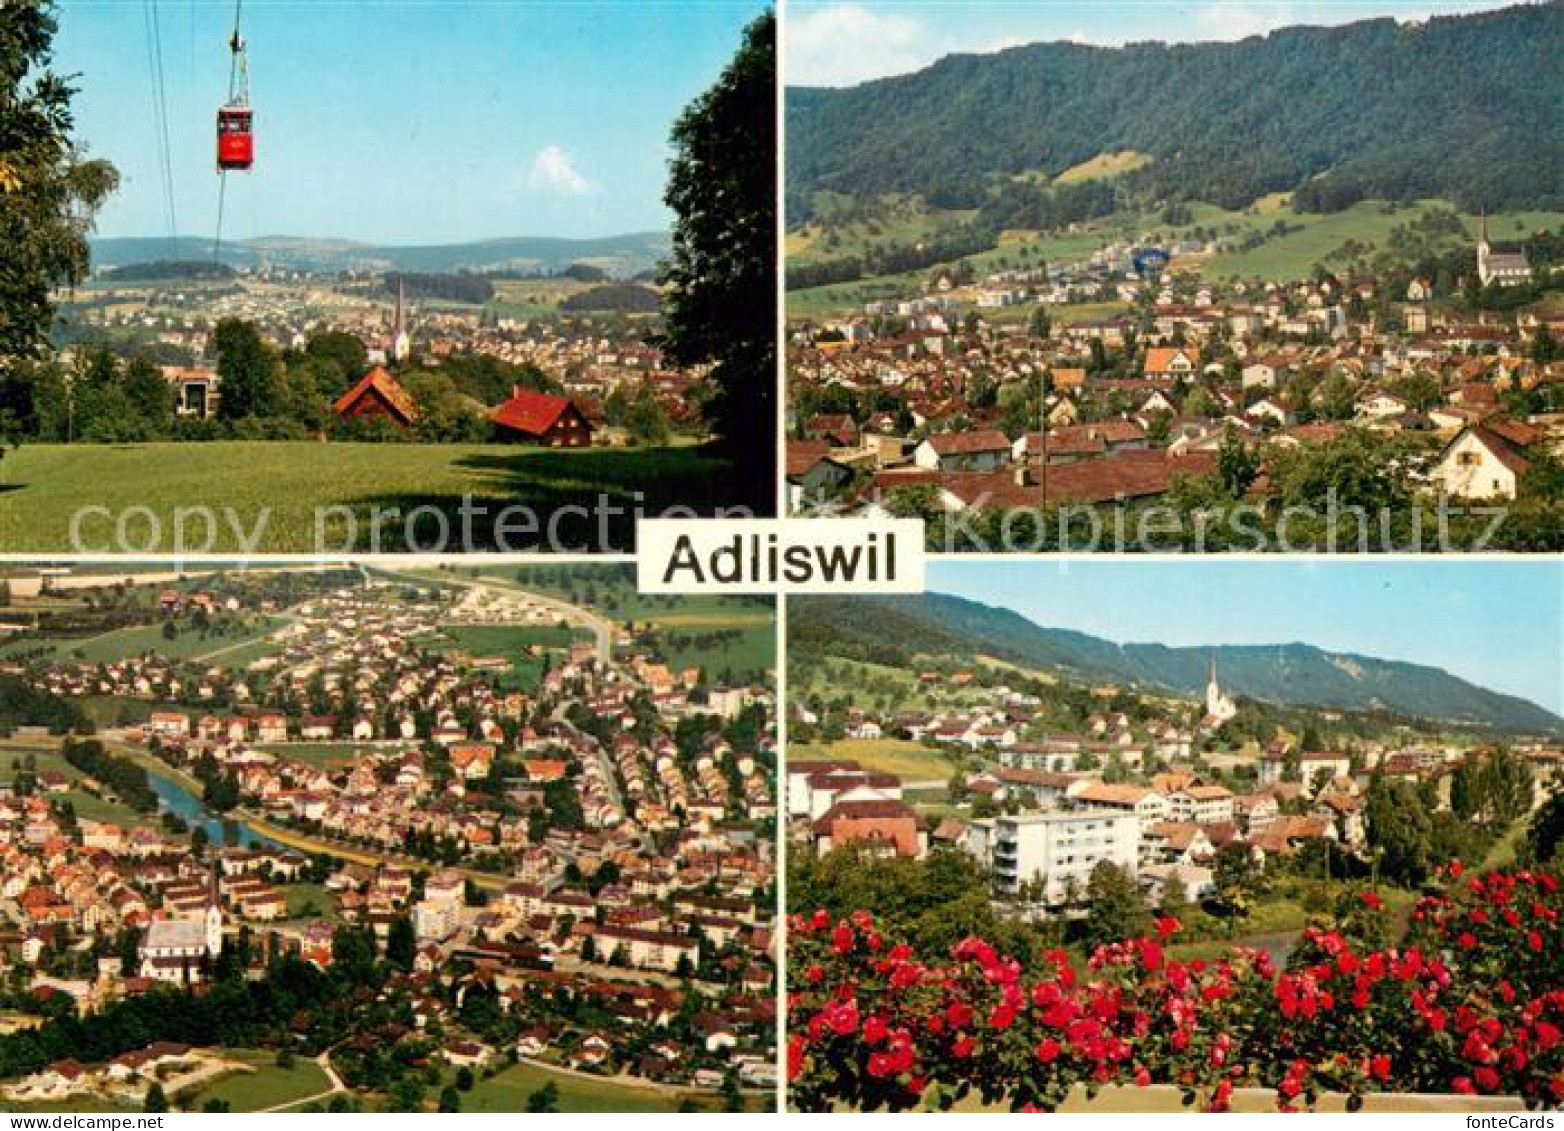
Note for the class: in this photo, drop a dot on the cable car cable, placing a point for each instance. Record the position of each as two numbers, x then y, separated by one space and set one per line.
237 66
160 118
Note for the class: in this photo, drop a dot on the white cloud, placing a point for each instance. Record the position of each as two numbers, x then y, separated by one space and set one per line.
553 170
1233 21
845 44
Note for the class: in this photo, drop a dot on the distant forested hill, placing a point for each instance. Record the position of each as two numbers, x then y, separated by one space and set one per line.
1464 107
893 629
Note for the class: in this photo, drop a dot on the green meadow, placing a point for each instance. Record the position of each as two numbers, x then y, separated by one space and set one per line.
307 497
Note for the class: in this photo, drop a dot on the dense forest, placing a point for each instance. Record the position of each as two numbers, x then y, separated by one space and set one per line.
159 270
624 298
1464 107
459 286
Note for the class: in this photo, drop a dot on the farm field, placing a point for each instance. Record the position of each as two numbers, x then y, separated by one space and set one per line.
268 1086
123 643
683 621
911 761
1288 257
46 758
508 1091
275 489
313 753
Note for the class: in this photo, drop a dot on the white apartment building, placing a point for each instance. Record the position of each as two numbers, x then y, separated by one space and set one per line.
1060 848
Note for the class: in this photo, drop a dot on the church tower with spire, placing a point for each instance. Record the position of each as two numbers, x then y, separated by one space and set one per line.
401 343
1219 707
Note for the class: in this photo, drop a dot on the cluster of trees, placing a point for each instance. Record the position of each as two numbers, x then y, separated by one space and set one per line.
1409 833
1224 123
22 704
127 779
157 270
623 298
950 243
265 393
459 286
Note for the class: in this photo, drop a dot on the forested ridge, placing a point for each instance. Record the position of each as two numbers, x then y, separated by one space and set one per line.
898 630
1463 107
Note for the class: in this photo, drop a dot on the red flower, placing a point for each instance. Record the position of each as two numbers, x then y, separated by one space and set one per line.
1487 1079
842 938
1047 1050
1379 1068
815 974
963 1046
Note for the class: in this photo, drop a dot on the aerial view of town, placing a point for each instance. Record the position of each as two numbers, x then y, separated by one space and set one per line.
341 838
322 332
1245 277
1134 837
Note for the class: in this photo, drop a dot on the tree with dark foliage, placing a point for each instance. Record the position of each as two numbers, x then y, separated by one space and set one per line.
720 307
48 189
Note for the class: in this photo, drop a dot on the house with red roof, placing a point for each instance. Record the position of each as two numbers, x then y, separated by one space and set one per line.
378 394
542 418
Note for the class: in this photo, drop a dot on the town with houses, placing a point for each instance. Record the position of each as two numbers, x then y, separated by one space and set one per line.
586 354
1039 808
509 793
1109 379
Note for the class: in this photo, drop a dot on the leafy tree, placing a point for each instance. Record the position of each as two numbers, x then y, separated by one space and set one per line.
545 1099
49 192
1398 827
1236 877
450 1099
1546 831
645 419
156 1099
249 371
1115 908
721 271
401 943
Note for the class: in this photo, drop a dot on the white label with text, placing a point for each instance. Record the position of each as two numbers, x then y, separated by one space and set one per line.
765 555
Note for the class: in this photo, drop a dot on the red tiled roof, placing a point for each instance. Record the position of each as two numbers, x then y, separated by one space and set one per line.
956 443
533 413
390 389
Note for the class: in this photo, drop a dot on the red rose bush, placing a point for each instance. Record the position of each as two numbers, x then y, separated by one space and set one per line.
1470 1001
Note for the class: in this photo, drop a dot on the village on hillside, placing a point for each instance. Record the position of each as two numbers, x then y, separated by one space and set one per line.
1193 803
311 838
1129 377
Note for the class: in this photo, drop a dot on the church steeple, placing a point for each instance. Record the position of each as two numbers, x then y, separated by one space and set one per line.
401 344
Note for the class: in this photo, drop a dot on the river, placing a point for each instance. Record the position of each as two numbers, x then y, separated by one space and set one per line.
174 798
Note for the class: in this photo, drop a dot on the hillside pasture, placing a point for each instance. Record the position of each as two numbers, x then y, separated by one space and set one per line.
305 497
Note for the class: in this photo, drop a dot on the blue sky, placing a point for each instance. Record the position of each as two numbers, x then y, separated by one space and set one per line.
401 121
1496 623
832 43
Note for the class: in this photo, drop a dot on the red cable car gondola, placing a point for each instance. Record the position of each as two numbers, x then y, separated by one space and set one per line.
235 141
235 121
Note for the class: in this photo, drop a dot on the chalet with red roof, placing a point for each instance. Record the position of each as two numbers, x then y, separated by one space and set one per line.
378 394
542 418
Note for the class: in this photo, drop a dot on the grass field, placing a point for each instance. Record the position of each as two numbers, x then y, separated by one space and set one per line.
613 594
268 1086
508 1091
1289 257
910 761
46 757
314 753
122 643
1104 165
316 497
1294 255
